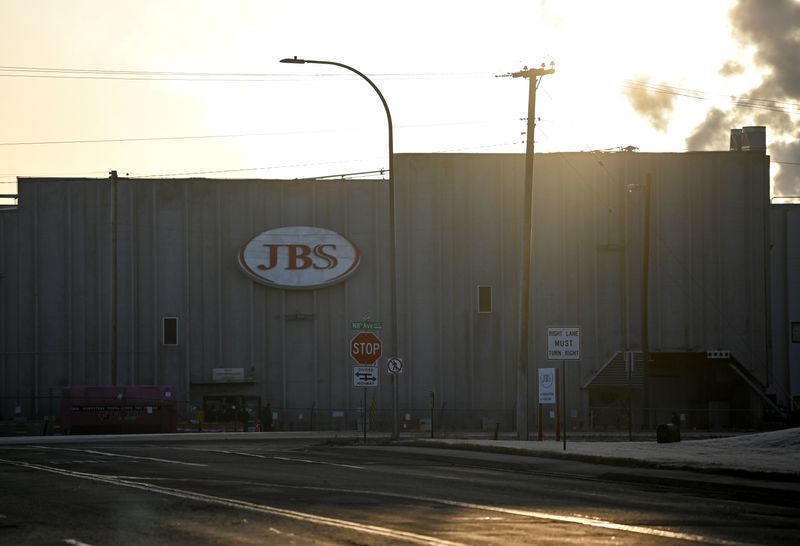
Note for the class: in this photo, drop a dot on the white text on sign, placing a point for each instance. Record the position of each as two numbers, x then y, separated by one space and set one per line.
364 348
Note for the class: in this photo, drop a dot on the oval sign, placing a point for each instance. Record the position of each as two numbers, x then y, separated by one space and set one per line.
299 257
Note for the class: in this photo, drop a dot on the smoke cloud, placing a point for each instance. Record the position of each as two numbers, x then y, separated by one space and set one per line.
653 106
713 133
731 68
774 29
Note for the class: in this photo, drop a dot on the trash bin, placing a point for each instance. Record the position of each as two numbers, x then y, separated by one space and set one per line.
668 433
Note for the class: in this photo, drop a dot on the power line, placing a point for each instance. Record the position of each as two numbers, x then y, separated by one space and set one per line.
246 169
56 70
148 139
662 89
233 135
128 72
296 165
150 75
136 78
741 101
172 75
250 169
331 177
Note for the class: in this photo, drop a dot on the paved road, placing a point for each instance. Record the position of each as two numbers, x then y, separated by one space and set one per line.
284 492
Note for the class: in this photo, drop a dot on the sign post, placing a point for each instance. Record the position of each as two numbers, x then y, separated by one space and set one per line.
563 343
431 405
559 399
366 348
366 377
364 415
564 401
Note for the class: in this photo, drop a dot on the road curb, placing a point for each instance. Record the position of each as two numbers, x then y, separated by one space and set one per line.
604 460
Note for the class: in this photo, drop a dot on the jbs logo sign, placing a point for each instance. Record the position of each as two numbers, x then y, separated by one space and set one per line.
299 257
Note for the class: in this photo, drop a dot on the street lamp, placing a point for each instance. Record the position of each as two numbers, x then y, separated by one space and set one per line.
392 235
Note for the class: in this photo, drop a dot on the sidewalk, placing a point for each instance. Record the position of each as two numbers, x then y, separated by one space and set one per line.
775 454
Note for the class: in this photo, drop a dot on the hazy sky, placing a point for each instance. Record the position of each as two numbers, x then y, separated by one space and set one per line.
660 75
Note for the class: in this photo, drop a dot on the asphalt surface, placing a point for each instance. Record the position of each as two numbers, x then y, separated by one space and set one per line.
295 489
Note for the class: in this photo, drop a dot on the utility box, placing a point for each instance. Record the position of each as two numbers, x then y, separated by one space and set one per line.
668 433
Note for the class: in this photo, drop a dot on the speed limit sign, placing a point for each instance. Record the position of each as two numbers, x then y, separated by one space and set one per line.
395 365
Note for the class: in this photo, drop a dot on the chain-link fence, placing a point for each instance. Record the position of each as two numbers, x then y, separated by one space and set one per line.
51 414
90 410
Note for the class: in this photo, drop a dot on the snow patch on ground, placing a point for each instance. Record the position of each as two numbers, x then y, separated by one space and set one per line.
776 451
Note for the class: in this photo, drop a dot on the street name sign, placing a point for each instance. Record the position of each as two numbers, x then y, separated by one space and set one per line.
366 324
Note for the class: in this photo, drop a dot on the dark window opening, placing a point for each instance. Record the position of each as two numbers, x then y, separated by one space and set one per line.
484 299
169 331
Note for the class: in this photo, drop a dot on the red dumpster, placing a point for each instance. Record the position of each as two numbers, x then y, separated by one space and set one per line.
119 410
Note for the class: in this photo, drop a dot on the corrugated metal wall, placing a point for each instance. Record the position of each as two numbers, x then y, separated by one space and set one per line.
458 228
785 289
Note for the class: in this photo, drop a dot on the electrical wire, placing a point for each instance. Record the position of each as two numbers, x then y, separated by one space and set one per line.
246 169
740 101
89 73
56 72
145 75
238 135
155 139
297 165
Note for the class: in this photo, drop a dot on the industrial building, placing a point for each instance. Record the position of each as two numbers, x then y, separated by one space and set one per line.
679 273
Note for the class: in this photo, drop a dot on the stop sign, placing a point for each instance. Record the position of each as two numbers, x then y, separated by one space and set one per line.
365 348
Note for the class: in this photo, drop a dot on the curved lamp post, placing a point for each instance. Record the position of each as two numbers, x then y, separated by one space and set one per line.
392 237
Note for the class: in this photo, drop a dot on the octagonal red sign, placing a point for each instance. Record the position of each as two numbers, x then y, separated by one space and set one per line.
366 348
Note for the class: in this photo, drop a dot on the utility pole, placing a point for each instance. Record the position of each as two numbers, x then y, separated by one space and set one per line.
533 75
646 297
113 207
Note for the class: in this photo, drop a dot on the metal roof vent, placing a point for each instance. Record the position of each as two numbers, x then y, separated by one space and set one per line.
736 140
754 139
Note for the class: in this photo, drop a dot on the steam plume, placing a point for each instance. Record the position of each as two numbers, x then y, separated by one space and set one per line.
774 29
655 107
